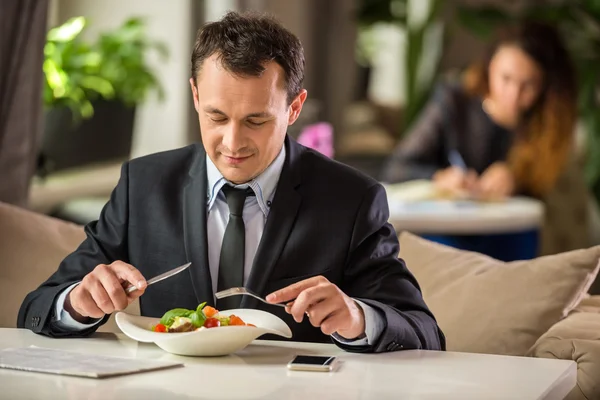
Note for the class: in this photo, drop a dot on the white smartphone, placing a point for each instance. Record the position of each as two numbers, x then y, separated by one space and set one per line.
312 363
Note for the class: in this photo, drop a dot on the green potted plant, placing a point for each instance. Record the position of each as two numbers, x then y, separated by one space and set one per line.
91 92
579 22
419 31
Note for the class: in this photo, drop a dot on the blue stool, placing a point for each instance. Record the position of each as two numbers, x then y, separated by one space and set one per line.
504 247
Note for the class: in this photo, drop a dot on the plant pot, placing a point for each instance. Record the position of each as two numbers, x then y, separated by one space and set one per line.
105 137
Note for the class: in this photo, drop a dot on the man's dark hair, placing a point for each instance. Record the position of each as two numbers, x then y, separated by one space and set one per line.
244 43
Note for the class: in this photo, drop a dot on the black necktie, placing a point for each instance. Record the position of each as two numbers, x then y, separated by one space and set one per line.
233 249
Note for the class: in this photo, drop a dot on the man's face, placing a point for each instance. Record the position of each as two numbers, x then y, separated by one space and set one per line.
243 120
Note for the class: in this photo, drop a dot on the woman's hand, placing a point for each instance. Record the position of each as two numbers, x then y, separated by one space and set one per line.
496 182
455 180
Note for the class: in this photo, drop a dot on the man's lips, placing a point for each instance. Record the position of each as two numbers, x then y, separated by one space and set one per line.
235 160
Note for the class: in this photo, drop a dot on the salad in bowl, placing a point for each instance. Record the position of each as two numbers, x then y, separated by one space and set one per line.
203 331
179 320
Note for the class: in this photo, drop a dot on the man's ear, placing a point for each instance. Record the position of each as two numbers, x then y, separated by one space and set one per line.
296 106
194 93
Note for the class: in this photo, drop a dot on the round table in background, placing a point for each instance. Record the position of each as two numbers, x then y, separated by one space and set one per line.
506 230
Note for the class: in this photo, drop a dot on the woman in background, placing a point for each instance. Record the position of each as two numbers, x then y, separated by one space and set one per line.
505 129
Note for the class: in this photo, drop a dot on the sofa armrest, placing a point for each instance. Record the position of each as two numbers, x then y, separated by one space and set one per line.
589 304
576 338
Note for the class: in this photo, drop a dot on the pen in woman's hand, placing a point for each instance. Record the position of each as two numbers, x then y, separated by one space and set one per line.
458 178
456 160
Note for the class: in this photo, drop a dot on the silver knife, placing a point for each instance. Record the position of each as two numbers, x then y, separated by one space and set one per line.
160 277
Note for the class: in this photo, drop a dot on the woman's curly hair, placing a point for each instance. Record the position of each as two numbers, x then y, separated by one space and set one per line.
544 140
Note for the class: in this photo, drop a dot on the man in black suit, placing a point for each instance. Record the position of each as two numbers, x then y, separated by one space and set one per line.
249 206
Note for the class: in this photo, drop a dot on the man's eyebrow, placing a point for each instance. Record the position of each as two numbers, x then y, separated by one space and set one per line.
259 115
212 110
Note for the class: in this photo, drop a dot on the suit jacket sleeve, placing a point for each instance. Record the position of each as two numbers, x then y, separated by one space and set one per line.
106 242
376 276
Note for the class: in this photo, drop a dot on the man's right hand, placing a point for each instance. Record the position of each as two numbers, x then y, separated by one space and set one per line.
102 291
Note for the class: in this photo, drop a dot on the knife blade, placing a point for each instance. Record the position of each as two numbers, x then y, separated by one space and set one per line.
160 277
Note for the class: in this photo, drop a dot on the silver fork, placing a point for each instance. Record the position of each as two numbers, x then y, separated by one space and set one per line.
238 291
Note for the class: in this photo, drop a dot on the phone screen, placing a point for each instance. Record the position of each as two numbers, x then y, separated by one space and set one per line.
313 360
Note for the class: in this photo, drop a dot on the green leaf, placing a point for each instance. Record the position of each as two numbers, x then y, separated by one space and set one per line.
413 57
482 21
434 12
399 10
161 48
589 79
98 84
50 49
67 31
200 307
414 107
370 12
198 318
550 13
91 60
79 72
169 316
86 109
134 22
592 7
55 77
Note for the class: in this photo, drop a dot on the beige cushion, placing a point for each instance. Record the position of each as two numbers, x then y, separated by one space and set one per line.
576 338
31 248
488 306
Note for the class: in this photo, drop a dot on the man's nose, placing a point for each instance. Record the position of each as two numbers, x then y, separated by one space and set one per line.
233 137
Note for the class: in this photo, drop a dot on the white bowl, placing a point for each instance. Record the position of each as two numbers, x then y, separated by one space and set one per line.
218 341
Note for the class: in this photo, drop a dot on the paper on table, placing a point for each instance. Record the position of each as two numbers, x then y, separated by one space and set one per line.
52 361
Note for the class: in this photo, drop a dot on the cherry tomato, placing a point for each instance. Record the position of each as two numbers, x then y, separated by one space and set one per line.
212 323
160 328
209 311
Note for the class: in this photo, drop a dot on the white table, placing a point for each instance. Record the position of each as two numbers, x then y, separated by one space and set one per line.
413 208
259 372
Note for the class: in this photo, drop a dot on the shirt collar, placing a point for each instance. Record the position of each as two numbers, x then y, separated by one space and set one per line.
263 185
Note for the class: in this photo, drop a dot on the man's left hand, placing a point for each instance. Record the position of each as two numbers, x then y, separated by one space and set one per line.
325 305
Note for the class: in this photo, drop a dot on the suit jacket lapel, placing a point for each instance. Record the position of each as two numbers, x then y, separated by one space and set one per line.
194 228
280 221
